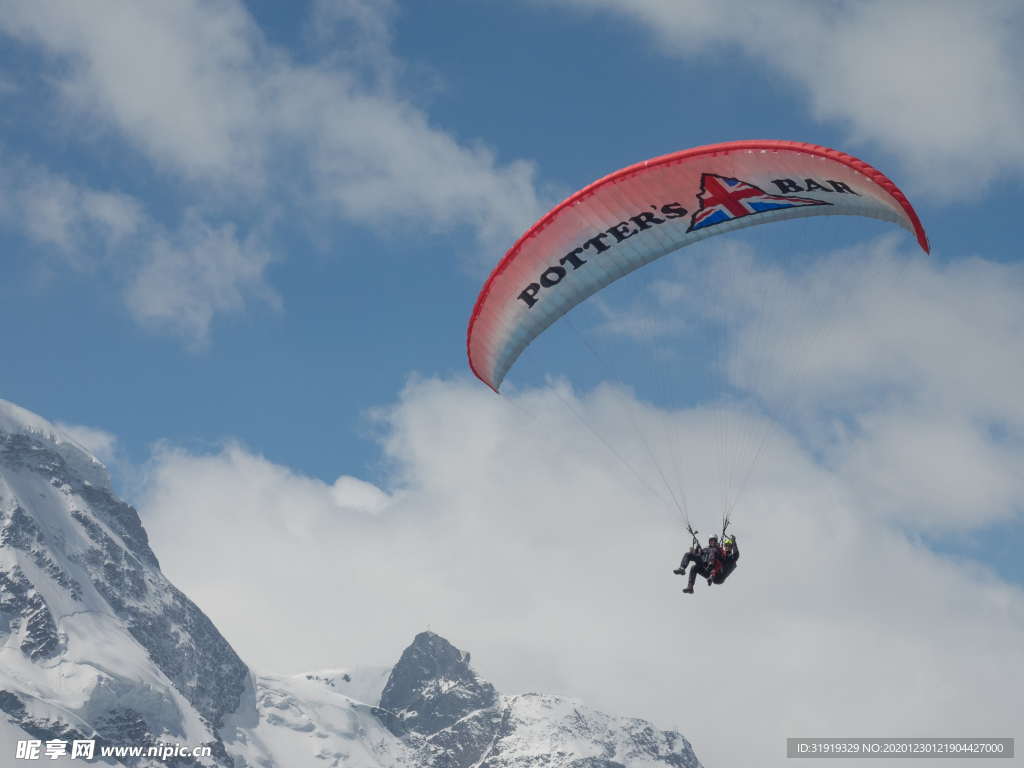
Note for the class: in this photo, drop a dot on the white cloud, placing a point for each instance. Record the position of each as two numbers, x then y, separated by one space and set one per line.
76 223
636 322
902 371
197 89
922 362
182 283
358 34
175 79
934 83
173 280
100 443
512 531
379 161
352 493
936 470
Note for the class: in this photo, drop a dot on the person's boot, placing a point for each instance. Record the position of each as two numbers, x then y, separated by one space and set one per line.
680 571
688 590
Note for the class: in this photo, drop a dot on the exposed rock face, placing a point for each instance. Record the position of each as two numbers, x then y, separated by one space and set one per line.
104 635
438 705
432 687
21 608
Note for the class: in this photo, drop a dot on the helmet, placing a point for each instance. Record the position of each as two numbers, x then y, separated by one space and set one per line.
712 540
728 542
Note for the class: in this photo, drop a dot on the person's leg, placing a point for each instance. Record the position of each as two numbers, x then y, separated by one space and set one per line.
688 558
693 577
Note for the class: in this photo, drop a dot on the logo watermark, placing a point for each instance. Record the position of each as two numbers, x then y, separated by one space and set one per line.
85 749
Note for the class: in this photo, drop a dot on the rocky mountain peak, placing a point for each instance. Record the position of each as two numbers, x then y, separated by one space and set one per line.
450 718
432 686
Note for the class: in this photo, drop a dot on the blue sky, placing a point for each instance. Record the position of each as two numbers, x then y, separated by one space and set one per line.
242 242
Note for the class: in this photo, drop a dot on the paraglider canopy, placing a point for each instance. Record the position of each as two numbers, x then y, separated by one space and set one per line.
638 214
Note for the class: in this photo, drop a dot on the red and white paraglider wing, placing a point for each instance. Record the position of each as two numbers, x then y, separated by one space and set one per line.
643 212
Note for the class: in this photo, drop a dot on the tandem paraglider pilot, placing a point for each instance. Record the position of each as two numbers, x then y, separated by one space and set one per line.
714 562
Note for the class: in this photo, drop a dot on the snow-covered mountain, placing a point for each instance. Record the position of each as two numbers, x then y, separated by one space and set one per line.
436 703
95 640
96 644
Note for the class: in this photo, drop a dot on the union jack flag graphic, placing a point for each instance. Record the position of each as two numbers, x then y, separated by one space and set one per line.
724 199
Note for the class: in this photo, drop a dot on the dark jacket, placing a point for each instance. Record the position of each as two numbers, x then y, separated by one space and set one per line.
725 564
711 555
